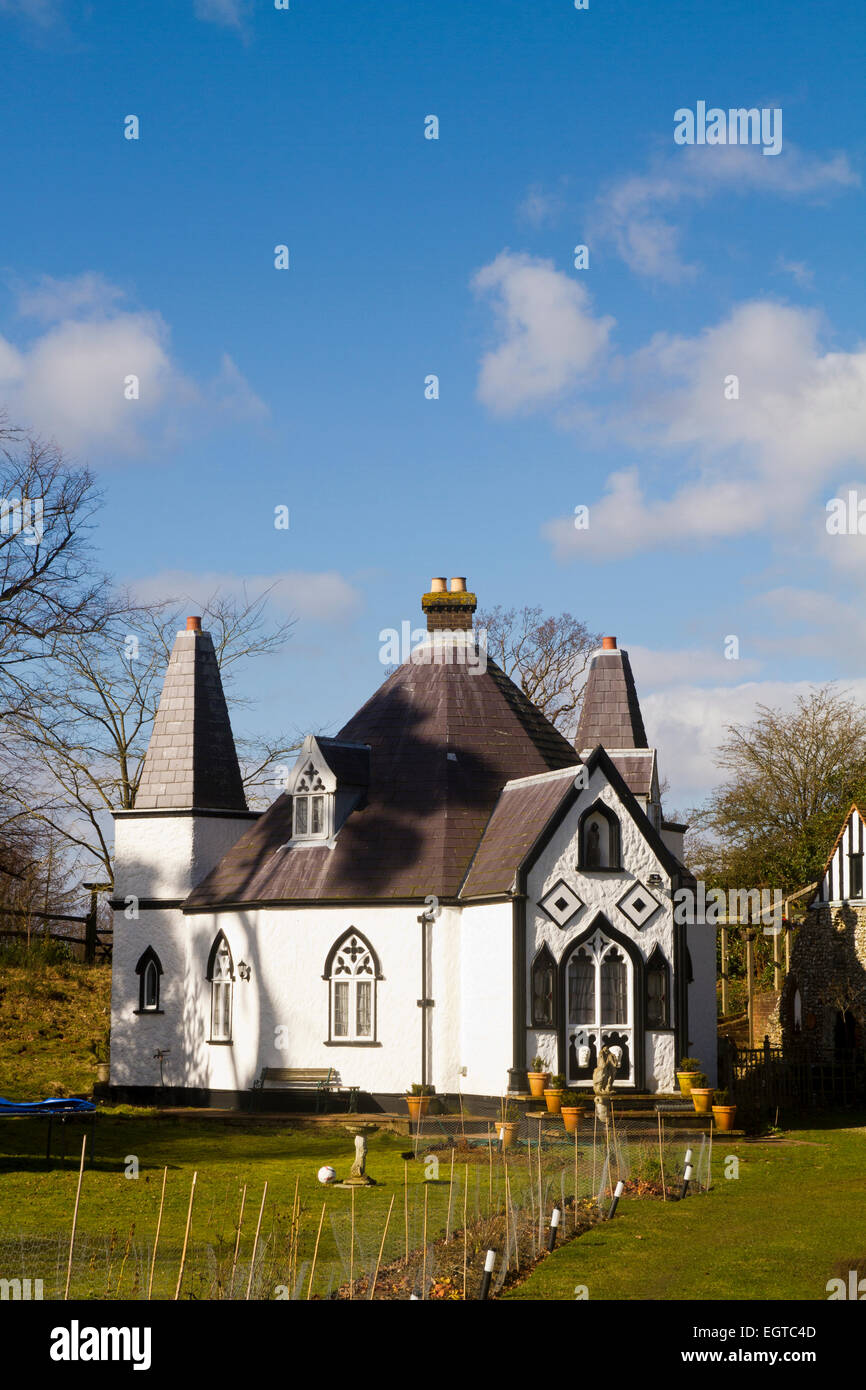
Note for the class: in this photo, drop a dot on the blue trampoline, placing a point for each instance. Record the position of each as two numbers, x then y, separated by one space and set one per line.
62 1109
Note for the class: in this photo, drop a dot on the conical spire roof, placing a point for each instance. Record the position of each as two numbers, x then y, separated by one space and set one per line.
191 762
610 714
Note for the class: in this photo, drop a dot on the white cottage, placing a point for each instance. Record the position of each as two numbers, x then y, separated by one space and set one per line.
445 889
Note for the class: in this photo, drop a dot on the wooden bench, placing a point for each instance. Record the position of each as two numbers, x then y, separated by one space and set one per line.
323 1080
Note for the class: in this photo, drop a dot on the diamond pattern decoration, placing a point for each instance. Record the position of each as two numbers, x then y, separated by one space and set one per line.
638 905
561 903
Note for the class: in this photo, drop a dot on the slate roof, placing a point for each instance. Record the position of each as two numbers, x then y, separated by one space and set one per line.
522 813
444 740
610 714
636 769
191 759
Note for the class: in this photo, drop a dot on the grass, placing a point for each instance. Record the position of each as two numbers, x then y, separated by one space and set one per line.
794 1218
50 1016
36 1203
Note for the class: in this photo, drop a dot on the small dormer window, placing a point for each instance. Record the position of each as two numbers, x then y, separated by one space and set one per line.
311 806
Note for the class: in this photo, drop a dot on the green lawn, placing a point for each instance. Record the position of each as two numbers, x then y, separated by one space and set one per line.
794 1218
36 1203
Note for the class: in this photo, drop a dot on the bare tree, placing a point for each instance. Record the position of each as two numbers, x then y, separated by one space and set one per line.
546 656
47 584
85 727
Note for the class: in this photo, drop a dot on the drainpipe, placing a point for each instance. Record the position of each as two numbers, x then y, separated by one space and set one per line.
424 1003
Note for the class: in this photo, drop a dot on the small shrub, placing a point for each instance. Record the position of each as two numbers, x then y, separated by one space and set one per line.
557 1083
690 1064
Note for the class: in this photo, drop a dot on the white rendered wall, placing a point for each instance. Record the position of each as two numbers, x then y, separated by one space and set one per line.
280 1016
703 1025
600 892
486 958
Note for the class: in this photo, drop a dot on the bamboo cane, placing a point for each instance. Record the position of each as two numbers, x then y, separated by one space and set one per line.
75 1217
465 1226
381 1249
315 1253
450 1190
406 1205
256 1241
662 1159
186 1237
352 1250
576 1126
156 1237
424 1255
237 1242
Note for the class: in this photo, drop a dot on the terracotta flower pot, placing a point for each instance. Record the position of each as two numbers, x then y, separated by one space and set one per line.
554 1101
508 1130
417 1107
702 1098
685 1080
537 1082
724 1116
571 1115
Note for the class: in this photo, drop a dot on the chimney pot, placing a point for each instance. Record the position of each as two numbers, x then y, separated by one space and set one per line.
608 644
437 586
193 624
458 586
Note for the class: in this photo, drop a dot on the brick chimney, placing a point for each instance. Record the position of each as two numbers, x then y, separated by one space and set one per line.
449 611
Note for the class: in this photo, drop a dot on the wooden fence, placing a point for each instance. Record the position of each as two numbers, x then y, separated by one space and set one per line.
762 1080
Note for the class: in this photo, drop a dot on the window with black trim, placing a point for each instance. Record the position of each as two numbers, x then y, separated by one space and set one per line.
221 974
856 871
543 990
149 972
352 972
599 844
658 990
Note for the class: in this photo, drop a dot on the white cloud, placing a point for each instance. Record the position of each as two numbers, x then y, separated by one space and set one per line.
754 463
540 208
41 12
229 13
629 213
798 270
51 299
654 670
687 724
318 596
69 382
549 336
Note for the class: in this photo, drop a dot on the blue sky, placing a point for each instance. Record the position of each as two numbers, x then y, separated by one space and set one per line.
558 387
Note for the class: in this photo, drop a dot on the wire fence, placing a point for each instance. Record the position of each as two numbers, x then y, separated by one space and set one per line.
462 1194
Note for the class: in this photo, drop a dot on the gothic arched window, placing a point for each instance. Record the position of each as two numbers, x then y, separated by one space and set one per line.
221 974
598 832
543 990
311 806
352 971
149 972
658 990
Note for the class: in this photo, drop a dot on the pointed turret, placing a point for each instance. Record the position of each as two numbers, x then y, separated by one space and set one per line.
611 713
191 762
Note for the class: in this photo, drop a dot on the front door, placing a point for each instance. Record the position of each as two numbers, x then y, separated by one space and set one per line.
599 1009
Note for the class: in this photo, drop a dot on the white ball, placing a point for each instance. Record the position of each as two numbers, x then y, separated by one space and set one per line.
327 1174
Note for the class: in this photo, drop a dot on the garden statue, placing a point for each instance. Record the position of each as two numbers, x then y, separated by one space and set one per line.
602 1082
358 1177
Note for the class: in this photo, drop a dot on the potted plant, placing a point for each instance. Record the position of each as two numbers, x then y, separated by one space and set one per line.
723 1111
538 1077
508 1124
418 1099
688 1068
571 1108
702 1094
553 1094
